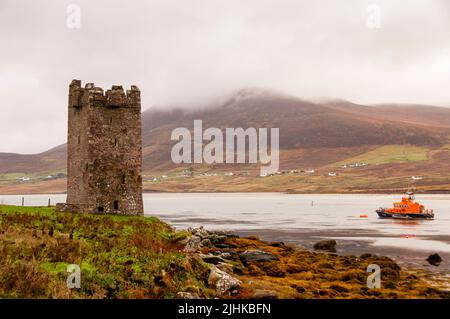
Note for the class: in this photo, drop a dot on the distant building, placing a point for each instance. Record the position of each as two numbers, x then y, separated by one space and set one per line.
332 174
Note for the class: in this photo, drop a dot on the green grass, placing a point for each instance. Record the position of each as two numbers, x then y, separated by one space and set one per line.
26 209
390 154
9 177
119 256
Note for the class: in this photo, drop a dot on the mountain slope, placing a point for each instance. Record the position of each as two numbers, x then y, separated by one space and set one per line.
53 159
306 128
319 133
415 114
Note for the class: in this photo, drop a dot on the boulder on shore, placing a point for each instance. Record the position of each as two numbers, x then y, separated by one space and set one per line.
211 259
256 256
187 295
326 245
264 294
193 244
222 281
434 259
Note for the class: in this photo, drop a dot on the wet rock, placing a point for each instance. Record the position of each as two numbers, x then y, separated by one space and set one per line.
434 260
229 255
225 233
216 252
326 245
365 256
256 256
278 244
264 294
222 246
299 289
217 240
211 259
193 244
187 295
222 281
206 242
225 267
199 232
225 255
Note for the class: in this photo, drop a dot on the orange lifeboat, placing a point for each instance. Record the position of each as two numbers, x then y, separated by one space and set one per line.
408 208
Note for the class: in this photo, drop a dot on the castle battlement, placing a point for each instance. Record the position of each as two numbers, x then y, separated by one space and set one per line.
104 150
96 96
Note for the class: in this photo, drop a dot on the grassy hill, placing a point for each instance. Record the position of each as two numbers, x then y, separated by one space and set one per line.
120 257
398 141
391 154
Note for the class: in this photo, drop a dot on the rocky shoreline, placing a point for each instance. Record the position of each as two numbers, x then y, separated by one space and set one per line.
247 267
134 257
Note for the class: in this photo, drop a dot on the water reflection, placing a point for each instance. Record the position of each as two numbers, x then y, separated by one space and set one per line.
330 214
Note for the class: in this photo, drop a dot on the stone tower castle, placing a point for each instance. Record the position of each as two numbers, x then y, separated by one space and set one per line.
104 155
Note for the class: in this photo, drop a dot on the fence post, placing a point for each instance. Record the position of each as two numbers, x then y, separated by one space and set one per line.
49 202
23 201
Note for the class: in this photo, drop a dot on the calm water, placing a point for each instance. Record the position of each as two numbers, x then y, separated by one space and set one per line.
303 219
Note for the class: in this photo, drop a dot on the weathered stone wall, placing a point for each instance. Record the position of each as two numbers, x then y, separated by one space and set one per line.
104 150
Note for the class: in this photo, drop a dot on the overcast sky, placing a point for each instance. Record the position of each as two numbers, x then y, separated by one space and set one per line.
186 52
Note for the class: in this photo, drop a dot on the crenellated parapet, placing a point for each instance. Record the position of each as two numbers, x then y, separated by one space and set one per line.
95 96
104 150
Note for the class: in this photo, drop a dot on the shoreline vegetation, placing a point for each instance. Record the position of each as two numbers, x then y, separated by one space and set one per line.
143 257
237 185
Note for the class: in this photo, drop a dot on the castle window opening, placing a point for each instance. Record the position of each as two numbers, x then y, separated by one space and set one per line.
100 209
116 205
123 179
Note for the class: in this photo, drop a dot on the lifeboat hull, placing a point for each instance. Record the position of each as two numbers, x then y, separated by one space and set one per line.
382 213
